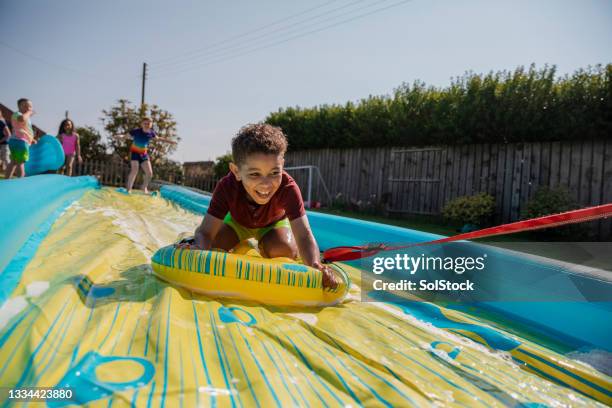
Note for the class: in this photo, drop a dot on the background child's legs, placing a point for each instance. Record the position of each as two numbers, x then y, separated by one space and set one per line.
226 238
132 175
10 169
21 170
278 242
68 165
4 156
148 173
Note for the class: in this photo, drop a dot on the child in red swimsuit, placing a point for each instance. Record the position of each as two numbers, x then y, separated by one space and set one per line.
257 199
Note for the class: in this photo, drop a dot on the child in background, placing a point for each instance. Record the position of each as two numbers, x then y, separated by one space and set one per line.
70 142
139 155
22 138
257 199
5 134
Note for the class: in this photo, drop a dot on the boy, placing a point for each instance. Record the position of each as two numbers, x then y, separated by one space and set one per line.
139 155
23 137
257 199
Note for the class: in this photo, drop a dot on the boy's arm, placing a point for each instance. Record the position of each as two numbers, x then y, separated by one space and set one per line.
25 116
309 250
206 232
163 139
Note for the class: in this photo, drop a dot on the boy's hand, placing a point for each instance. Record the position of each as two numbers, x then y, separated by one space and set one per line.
329 277
184 245
195 247
188 243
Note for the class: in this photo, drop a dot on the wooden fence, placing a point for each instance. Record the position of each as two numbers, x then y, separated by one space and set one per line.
110 173
115 173
421 181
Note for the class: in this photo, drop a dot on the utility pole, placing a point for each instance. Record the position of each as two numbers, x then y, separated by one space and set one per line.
144 79
66 114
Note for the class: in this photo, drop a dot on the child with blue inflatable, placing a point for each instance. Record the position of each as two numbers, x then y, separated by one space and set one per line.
21 139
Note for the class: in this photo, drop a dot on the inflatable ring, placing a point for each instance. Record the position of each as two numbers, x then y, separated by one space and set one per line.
244 274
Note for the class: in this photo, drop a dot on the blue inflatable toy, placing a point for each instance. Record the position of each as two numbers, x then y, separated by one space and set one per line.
46 155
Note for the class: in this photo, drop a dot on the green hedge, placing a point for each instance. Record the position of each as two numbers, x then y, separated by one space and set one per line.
525 105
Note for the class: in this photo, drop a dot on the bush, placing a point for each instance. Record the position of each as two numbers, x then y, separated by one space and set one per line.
168 170
522 105
547 201
476 209
92 146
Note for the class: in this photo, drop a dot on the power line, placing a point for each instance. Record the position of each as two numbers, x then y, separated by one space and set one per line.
268 25
230 57
57 66
41 60
211 50
247 50
284 30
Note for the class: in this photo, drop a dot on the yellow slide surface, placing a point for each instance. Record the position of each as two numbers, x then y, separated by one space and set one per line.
89 316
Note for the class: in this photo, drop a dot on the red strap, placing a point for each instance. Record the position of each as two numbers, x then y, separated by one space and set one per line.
349 253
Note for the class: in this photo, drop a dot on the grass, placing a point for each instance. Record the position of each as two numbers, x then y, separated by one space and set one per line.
429 224
580 253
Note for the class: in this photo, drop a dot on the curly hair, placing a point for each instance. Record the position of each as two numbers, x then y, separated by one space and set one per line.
258 138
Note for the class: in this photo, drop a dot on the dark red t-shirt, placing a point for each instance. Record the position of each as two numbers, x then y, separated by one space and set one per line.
230 196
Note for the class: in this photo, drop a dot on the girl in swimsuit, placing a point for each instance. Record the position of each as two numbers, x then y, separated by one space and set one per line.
70 142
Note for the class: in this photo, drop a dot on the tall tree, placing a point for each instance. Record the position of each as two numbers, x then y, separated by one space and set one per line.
523 105
221 167
124 116
92 146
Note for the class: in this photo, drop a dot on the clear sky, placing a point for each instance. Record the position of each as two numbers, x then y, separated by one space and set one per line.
217 65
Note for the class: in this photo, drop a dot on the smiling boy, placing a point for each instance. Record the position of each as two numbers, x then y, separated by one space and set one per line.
257 199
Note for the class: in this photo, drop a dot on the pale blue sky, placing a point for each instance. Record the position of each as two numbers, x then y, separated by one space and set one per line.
82 56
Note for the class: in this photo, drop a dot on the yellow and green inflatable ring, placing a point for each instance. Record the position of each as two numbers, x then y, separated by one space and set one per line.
244 274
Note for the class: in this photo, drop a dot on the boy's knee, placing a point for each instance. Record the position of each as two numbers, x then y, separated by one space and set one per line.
281 251
278 245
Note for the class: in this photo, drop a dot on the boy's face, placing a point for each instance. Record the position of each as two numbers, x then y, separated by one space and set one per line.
261 175
25 106
146 125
